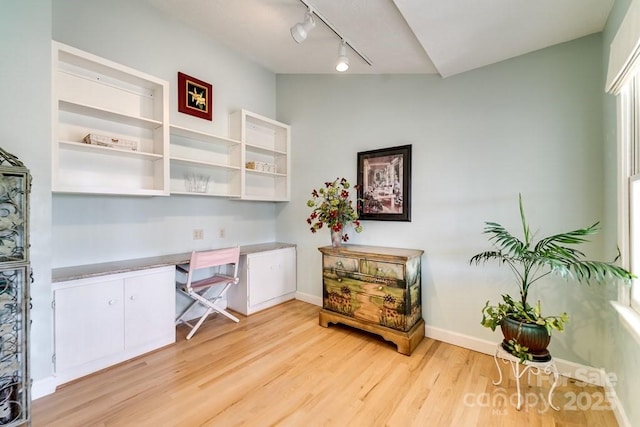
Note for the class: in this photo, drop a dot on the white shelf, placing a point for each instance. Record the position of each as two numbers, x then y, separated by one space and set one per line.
101 113
190 162
268 141
201 136
118 152
92 95
259 149
212 157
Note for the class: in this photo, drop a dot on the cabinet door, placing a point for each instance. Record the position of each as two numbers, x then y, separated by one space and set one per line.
271 274
150 307
89 323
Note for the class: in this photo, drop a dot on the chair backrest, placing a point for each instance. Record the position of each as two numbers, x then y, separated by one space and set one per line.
213 258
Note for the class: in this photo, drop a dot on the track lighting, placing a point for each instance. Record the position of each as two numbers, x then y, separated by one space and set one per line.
300 31
342 64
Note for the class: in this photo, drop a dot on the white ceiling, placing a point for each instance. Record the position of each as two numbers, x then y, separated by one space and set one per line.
445 37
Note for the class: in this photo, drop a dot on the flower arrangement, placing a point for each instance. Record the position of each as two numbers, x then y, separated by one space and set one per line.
332 207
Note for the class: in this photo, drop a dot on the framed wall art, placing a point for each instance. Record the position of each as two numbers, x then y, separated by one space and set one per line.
195 97
384 184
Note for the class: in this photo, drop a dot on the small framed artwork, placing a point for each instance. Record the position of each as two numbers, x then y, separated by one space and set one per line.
195 97
384 184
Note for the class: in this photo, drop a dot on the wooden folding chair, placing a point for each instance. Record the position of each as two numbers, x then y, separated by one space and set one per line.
214 260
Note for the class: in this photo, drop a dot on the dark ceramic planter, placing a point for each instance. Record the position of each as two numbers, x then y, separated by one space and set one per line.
532 336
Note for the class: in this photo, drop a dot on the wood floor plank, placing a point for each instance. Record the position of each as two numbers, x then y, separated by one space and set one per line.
280 368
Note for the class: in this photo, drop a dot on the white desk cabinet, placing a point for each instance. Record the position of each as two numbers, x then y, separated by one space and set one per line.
267 277
105 320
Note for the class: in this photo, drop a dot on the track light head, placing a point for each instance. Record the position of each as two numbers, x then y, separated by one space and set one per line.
342 64
300 31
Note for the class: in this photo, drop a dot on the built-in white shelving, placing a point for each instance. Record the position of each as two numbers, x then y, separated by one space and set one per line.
264 142
92 95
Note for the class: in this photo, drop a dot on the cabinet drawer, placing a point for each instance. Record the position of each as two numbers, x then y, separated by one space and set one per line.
382 269
350 297
386 311
330 262
371 281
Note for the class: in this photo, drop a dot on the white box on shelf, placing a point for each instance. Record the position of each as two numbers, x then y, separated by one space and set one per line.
107 141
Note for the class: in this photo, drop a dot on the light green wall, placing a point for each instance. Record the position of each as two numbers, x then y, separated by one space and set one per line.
532 124
25 130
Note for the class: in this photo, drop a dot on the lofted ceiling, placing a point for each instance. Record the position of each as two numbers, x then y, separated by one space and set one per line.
445 37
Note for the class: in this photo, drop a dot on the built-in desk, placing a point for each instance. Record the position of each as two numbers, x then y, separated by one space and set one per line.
64 274
109 312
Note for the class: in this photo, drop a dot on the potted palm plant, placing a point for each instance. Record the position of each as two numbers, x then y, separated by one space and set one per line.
526 331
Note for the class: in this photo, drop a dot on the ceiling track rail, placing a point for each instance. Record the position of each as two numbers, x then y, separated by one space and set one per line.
337 33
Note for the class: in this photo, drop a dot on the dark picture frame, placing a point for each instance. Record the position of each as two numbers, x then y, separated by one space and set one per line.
195 97
384 184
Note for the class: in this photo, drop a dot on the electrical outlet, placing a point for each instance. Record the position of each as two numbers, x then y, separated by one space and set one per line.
223 233
198 234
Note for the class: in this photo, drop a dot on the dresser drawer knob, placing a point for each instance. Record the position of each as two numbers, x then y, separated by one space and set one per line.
339 279
380 288
112 302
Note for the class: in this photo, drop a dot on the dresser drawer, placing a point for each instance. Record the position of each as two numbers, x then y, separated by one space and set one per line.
363 279
385 311
382 269
330 262
366 301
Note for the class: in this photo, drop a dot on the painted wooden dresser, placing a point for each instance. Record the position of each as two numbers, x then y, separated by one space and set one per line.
375 289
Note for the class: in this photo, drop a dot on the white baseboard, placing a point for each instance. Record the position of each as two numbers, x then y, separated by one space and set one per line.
311 299
618 410
43 387
566 368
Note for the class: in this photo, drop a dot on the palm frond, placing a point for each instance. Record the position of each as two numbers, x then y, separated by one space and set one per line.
595 271
574 237
504 240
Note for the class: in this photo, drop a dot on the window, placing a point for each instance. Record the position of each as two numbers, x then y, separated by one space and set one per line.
623 80
628 118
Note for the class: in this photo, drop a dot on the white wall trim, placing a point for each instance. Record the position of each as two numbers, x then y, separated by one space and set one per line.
566 368
624 52
618 410
43 387
629 318
311 299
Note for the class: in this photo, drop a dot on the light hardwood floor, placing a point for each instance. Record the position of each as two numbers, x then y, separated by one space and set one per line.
279 367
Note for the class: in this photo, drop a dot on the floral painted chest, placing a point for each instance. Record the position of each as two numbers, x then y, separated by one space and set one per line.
376 289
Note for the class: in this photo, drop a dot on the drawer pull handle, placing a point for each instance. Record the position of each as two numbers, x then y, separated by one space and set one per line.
132 297
380 288
112 302
339 279
339 263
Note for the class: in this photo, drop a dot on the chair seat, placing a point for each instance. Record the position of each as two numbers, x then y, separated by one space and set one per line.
210 281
